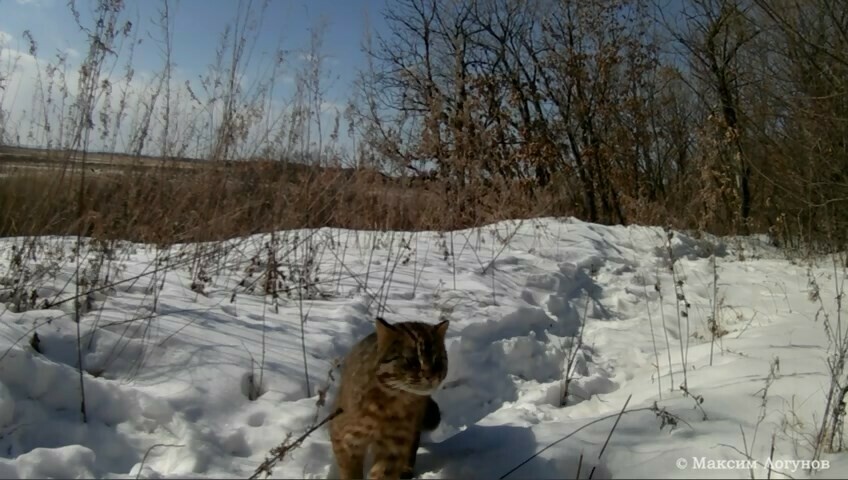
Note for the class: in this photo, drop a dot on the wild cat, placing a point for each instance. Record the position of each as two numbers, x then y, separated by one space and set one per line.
386 382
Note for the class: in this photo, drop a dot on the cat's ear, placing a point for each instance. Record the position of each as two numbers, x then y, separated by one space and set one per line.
442 328
385 331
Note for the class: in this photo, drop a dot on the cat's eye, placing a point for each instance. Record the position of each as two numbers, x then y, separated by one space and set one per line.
412 362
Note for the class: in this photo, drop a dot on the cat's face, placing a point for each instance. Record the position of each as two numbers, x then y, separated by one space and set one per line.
413 356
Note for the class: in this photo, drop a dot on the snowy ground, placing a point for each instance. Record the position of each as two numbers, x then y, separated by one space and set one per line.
168 366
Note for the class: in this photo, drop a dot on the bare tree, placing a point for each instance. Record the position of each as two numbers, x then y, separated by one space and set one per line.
713 36
514 94
809 65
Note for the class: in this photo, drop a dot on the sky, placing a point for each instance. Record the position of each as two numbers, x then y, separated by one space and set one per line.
198 25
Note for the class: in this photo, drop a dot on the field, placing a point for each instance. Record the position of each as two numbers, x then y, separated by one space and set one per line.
23 157
198 359
176 200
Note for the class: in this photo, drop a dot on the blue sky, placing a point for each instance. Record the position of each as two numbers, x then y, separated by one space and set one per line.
198 26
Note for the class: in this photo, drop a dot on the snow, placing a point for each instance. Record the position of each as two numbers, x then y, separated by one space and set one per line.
169 367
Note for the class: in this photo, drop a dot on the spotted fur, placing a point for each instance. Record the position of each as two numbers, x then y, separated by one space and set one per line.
386 383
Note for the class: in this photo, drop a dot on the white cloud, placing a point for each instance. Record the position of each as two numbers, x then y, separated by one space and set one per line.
332 107
36 3
26 86
192 122
19 69
309 57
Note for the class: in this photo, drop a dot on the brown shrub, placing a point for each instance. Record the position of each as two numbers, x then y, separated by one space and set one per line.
165 205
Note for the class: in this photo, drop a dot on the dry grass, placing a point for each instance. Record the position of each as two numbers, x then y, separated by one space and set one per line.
169 204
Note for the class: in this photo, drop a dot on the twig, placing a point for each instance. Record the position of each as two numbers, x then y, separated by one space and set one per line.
506 243
681 300
748 456
572 354
575 432
303 318
144 458
771 455
579 465
658 288
277 453
699 399
653 339
612 430
715 325
745 443
77 303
